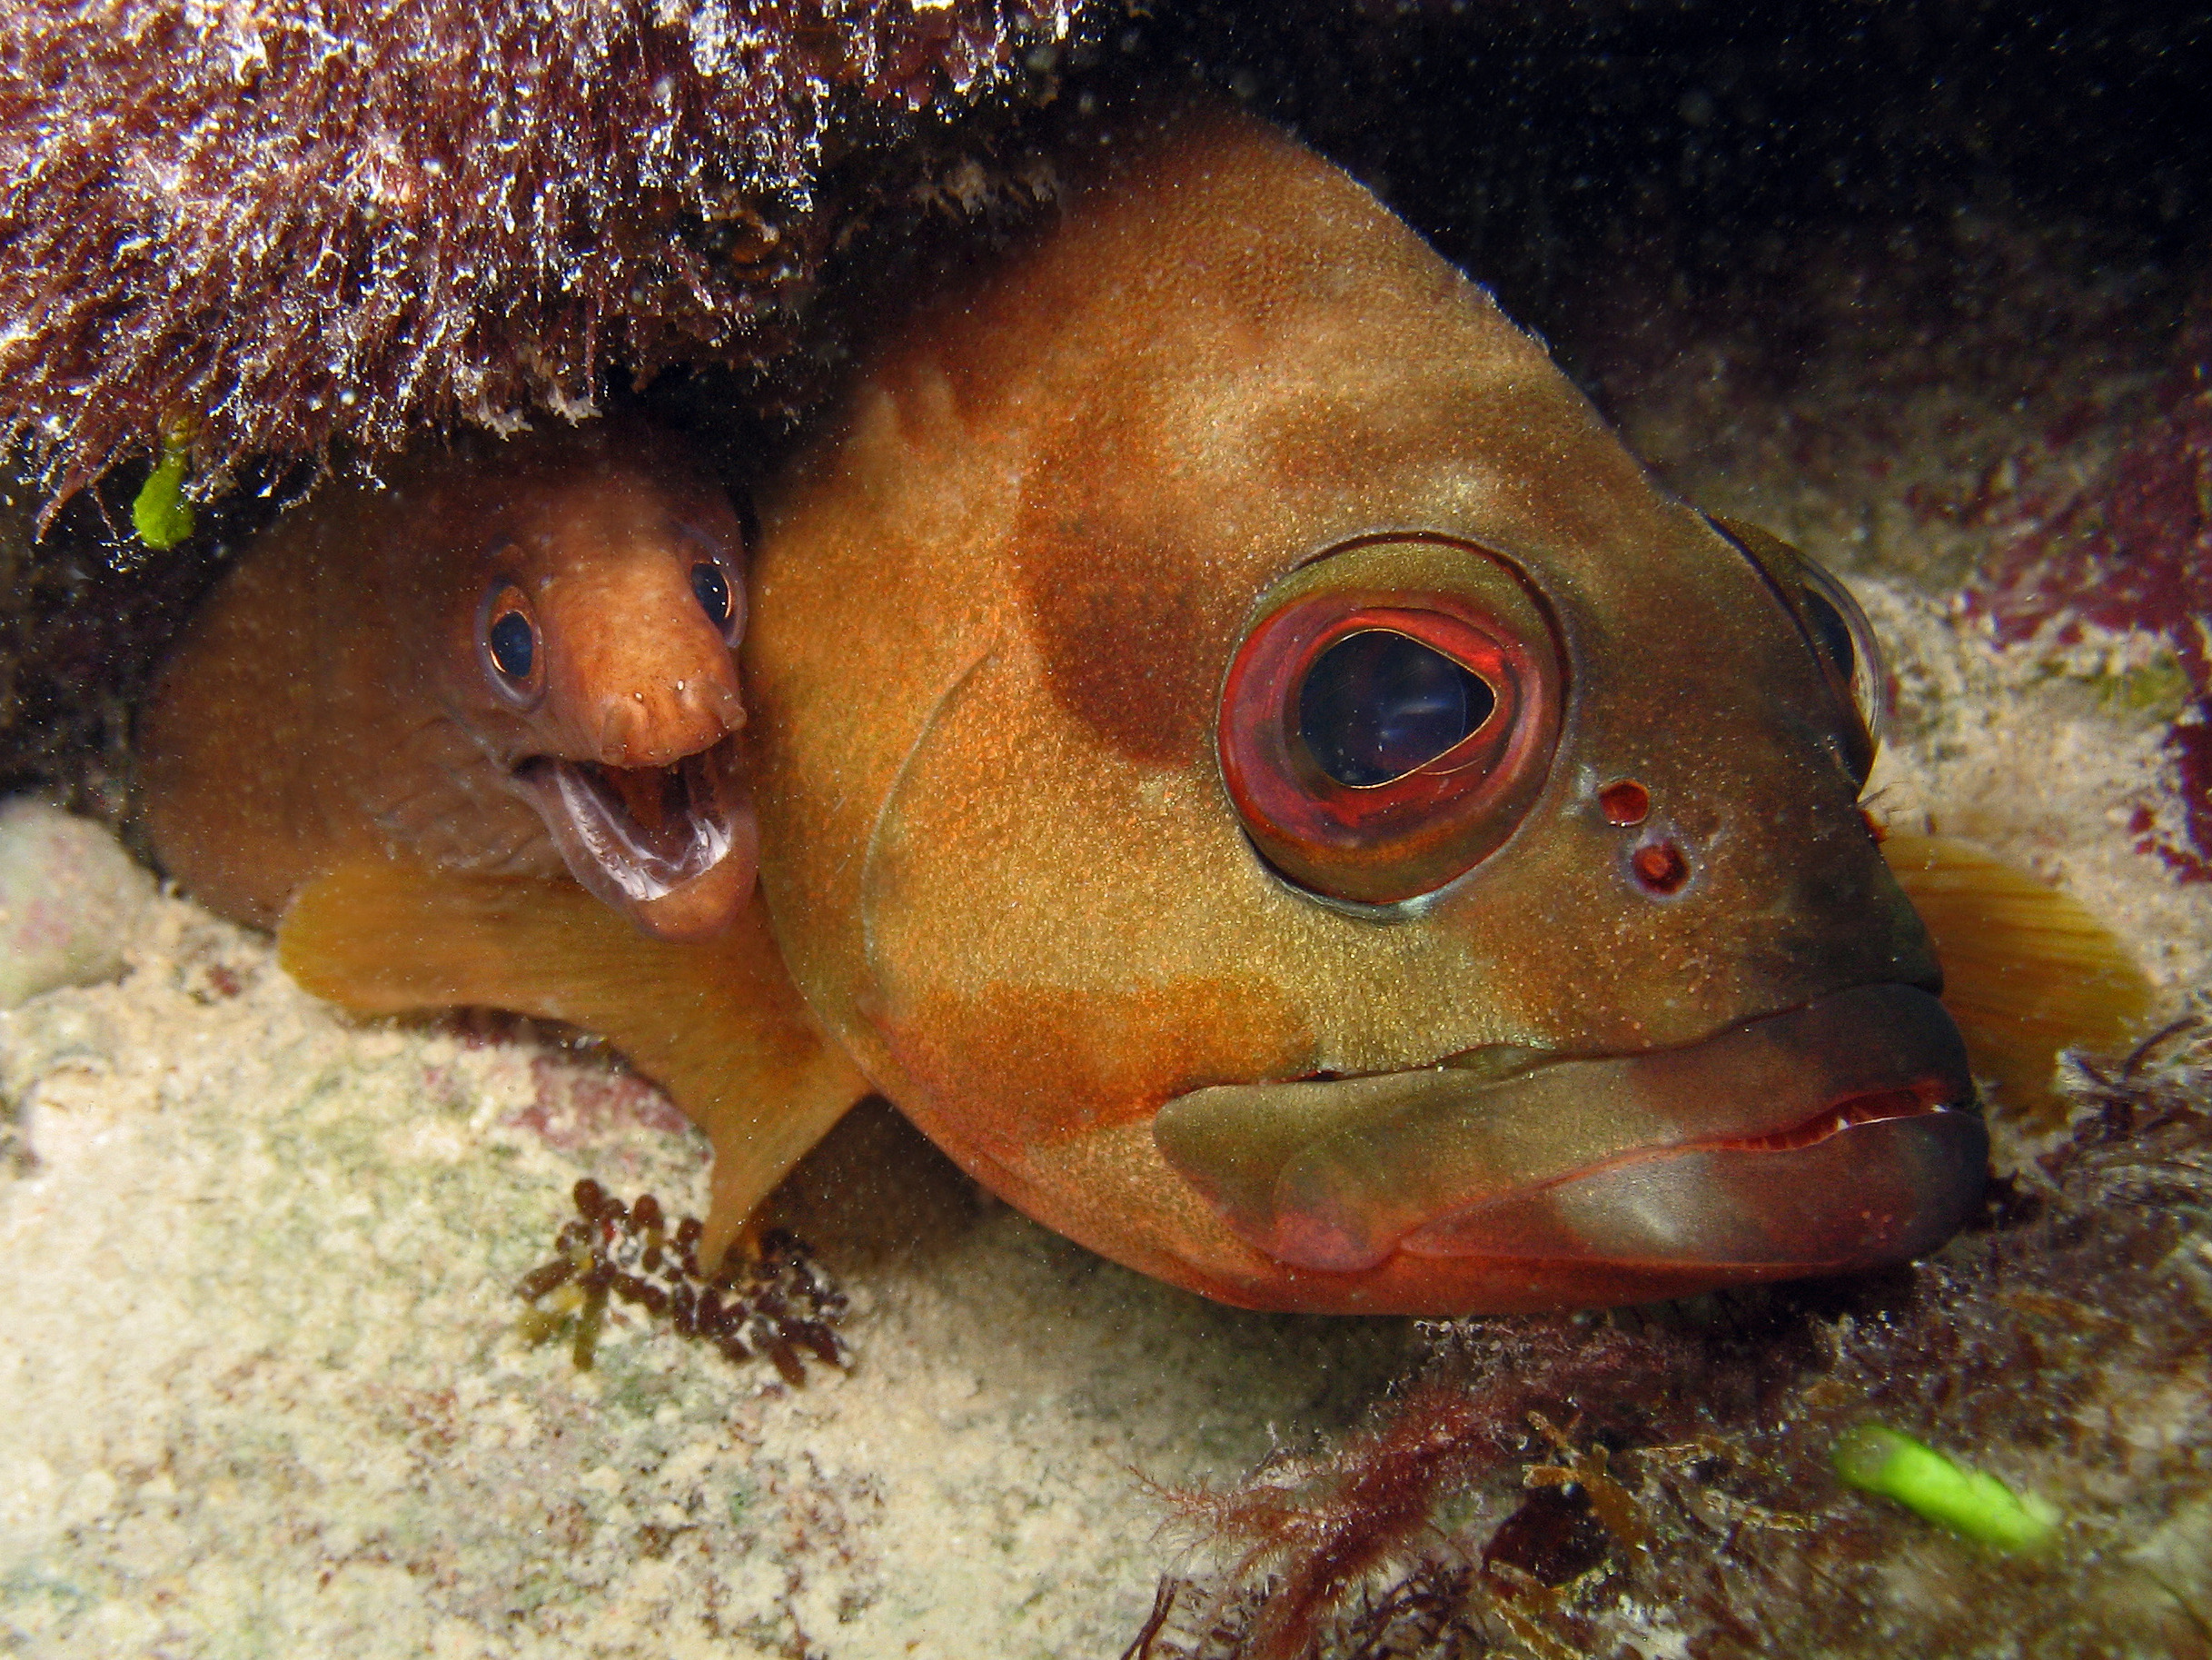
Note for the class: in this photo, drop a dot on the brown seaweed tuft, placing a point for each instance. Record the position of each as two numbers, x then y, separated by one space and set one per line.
778 1304
1658 1480
344 219
1311 1533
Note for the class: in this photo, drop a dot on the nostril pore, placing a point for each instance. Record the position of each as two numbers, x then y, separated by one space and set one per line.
1624 803
617 731
719 703
1660 866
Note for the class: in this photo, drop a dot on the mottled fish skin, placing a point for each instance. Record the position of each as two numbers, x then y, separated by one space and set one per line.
337 699
1002 612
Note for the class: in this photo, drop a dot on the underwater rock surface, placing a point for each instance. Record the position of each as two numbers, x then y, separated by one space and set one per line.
69 899
346 219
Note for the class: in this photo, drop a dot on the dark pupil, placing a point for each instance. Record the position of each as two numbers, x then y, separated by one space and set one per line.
513 647
1377 705
713 591
1834 632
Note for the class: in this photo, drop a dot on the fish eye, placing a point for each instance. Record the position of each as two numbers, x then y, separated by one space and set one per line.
1379 742
1836 630
1832 632
1378 705
711 588
511 645
1848 644
514 645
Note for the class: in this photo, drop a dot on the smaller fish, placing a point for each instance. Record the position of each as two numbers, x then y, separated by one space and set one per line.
470 739
511 659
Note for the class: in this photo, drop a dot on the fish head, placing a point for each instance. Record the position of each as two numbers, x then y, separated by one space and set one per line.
597 599
1260 775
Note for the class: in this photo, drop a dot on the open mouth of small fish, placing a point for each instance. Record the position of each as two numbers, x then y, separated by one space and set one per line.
1837 1136
634 835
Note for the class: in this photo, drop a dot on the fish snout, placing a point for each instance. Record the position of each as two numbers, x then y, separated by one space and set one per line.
1838 1136
663 723
1801 917
1766 895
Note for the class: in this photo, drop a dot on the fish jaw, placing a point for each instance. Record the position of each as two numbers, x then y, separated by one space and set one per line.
674 849
1838 1136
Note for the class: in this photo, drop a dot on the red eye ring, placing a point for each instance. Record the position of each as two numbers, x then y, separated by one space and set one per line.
1384 842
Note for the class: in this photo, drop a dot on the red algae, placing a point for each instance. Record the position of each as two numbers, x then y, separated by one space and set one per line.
2129 551
1308 1535
341 220
776 1303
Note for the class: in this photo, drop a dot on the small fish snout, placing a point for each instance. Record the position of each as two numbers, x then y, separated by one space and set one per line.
662 726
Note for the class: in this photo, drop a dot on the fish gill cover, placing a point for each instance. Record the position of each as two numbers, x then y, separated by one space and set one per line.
340 220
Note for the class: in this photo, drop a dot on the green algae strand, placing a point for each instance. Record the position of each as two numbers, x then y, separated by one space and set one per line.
159 512
1876 1458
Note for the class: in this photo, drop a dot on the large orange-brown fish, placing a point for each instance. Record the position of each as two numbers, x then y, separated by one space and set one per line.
1254 768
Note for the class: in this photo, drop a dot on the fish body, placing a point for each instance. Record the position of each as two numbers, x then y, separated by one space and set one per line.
1257 772
1253 769
508 657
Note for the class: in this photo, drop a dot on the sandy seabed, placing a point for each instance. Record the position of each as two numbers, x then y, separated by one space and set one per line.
266 1392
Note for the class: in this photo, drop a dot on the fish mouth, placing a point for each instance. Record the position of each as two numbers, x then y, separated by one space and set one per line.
1838 1136
675 848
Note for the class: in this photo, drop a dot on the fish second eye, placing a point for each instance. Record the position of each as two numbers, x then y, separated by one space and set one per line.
1845 640
1834 627
513 644
1378 705
711 588
1833 632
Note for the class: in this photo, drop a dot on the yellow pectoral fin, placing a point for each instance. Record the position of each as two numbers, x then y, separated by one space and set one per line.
716 1023
2027 970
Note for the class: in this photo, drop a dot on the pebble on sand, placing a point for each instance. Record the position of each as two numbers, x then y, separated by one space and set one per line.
69 898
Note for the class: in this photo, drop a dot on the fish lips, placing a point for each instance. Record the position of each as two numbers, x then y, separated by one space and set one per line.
1838 1136
674 849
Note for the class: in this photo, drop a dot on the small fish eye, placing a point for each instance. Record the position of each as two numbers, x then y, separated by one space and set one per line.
711 588
513 644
